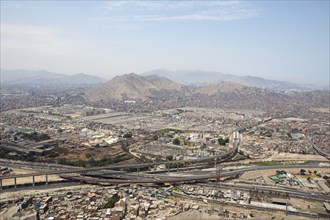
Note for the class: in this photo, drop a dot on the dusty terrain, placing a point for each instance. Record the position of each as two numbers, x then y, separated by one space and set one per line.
24 180
24 193
290 156
265 173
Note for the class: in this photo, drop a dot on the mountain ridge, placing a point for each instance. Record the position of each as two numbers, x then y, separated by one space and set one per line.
220 87
131 86
202 78
136 87
44 78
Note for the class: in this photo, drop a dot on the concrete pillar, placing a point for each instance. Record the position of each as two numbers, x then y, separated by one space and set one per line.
15 182
33 181
286 207
46 179
0 183
138 169
177 167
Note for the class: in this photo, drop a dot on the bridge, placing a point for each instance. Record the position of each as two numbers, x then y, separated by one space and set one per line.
182 163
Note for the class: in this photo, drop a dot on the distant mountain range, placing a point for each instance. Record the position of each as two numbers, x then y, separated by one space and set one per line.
163 84
193 78
131 86
156 92
45 78
220 88
202 78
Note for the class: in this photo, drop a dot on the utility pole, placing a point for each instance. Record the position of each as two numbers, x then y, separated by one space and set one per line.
286 205
219 179
219 172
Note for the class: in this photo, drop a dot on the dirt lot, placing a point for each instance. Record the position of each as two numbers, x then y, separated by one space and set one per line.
22 193
86 153
265 173
300 157
262 215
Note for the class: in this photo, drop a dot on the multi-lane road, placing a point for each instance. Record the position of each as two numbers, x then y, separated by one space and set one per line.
318 150
144 178
220 158
106 176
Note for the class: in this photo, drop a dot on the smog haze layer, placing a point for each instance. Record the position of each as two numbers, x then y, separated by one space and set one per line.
274 40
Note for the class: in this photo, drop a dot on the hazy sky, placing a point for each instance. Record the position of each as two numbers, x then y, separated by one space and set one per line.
277 40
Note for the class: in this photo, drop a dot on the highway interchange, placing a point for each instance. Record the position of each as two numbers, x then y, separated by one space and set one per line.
129 174
185 163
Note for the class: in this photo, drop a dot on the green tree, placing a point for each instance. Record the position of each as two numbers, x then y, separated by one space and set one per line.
112 201
155 137
169 157
222 141
176 141
128 135
278 172
302 172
